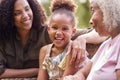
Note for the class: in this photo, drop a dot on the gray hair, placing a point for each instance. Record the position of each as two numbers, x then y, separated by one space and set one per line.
111 12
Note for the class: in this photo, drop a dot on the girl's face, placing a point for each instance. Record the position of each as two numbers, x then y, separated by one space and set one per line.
97 20
23 15
61 30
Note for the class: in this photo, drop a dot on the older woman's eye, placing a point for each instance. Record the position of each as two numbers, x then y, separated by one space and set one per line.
92 12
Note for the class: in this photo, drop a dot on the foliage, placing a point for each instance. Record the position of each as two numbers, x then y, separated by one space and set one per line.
82 13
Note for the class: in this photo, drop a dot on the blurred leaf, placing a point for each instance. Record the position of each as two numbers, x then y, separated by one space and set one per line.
82 13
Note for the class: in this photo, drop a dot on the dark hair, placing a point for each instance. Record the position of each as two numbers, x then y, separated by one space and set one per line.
7 27
64 6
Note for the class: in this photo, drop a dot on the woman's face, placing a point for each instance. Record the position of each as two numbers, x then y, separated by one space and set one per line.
23 15
61 29
97 20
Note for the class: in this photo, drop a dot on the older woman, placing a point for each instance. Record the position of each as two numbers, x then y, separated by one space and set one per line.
105 65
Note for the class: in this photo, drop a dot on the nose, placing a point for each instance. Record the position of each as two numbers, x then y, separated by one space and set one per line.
25 15
58 32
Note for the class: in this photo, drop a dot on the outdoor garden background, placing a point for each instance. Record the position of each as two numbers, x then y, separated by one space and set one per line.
83 13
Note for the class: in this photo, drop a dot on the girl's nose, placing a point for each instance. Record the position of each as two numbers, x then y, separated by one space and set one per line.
58 32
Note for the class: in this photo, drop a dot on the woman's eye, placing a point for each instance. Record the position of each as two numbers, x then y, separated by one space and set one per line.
17 13
27 9
92 12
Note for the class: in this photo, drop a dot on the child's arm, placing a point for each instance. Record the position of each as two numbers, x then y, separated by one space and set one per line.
42 75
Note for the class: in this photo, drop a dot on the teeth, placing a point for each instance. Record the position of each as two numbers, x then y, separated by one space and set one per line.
26 21
59 38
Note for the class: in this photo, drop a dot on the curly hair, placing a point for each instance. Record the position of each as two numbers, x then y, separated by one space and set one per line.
111 12
7 27
63 6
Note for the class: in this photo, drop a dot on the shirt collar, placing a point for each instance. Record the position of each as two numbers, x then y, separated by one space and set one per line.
32 37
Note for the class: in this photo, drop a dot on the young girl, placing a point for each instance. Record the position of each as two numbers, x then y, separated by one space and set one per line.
61 28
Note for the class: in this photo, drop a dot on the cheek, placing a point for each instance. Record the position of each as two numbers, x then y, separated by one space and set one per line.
51 33
68 35
103 30
31 15
97 18
17 21
98 23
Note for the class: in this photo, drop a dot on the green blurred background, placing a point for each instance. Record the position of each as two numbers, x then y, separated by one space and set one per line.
82 14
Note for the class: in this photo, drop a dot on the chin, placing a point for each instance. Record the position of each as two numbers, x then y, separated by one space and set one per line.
28 27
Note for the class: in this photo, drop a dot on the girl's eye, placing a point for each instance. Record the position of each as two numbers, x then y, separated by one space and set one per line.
65 28
54 27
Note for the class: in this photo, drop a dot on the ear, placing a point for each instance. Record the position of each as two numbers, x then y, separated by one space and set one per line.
73 31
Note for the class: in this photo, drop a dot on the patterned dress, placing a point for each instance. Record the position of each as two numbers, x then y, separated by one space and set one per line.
54 65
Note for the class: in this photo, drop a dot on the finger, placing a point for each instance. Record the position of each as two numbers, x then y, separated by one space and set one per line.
83 53
74 55
80 57
75 48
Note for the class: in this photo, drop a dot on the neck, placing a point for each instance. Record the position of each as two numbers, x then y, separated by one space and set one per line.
115 32
24 35
56 51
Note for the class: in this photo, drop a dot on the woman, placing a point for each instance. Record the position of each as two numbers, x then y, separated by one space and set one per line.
105 64
22 33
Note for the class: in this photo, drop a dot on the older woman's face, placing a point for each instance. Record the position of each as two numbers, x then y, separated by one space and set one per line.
97 20
23 15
